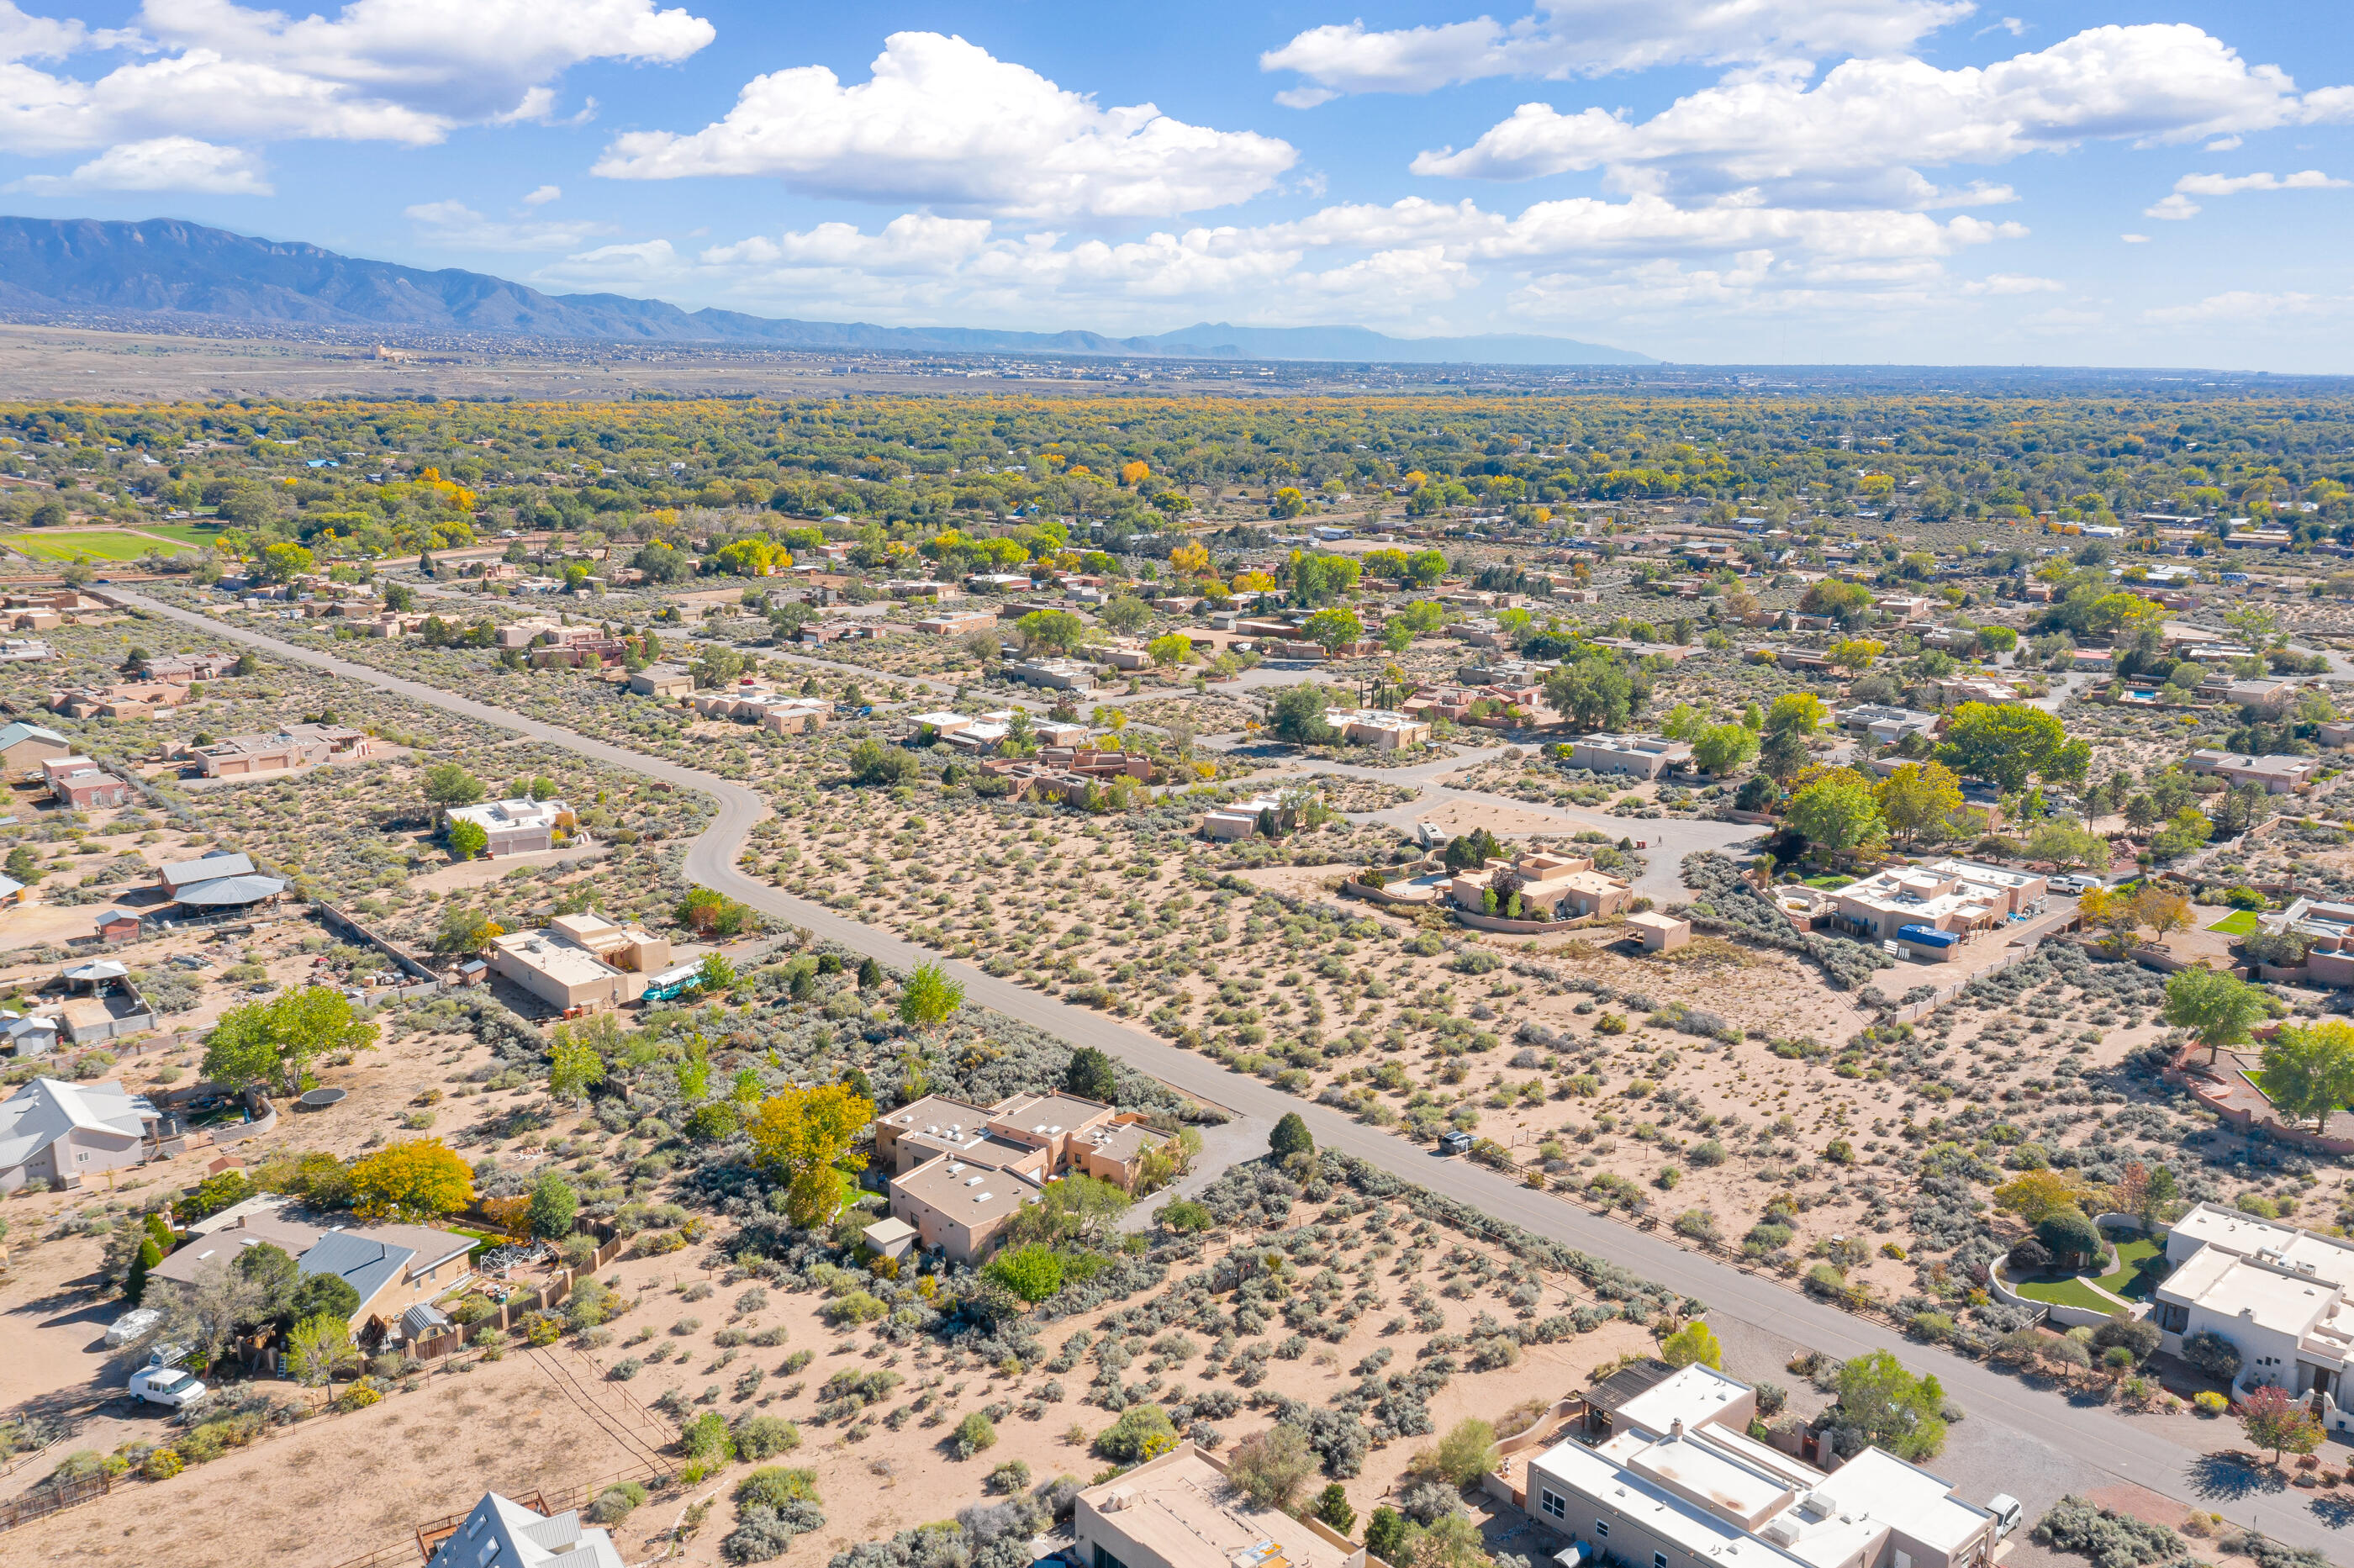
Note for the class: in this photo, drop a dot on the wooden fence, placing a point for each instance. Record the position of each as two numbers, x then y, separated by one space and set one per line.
44 1500
433 1346
418 1547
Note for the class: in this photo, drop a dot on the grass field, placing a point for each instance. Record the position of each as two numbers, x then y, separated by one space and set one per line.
77 545
2064 1293
186 533
2126 1281
1828 880
2238 923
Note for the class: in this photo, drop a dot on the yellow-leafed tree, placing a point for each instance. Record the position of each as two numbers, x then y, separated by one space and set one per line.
803 1135
414 1180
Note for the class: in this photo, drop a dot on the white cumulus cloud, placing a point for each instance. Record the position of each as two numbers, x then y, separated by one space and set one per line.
2245 307
398 70
2173 209
1870 119
1589 38
943 122
163 163
2233 185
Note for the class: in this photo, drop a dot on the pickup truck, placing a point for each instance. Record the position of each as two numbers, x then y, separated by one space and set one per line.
174 1386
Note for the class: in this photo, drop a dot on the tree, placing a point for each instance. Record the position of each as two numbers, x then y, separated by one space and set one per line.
2212 1354
2036 1195
2218 1007
929 996
554 1207
274 1275
2273 1420
2070 1233
413 1179
2308 1070
1467 1451
1170 652
1291 1137
1386 1532
1721 749
574 1066
1033 1272
2065 844
1077 1208
285 562
1837 812
1782 755
720 665
2009 743
1268 1467
1450 1541
1044 631
1855 654
280 1037
714 974
1091 1076
2147 1195
1141 1433
1796 713
1297 715
1333 1508
1694 1343
1918 798
1125 615
1332 629
1891 1407
318 1349
801 1137
447 784
328 1295
467 840
1594 694
1845 602
1469 852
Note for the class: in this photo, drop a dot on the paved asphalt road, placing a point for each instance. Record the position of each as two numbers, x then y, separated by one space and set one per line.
2043 1426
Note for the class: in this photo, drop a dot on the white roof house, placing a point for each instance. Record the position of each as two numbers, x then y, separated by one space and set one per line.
1948 895
1679 1479
2278 1293
505 1533
511 816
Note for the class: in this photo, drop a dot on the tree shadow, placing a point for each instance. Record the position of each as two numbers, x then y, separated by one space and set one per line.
2337 1513
2233 1476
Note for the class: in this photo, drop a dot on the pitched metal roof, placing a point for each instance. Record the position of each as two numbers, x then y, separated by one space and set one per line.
226 890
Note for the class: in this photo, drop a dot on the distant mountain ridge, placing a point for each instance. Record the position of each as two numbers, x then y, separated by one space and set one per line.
165 265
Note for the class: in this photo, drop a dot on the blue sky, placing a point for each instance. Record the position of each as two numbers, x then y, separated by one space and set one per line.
1794 181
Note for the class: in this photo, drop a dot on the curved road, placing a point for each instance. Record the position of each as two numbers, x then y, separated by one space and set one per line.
2036 1443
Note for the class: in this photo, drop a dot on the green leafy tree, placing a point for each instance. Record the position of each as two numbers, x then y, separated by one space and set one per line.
1091 1076
1170 652
281 1038
1919 799
1034 1273
1695 1342
1045 631
1387 1533
1845 602
929 996
1143 1432
1838 811
1291 1137
1594 694
318 1349
2007 744
1891 1407
2218 1008
2308 1070
1125 615
1467 1451
1297 715
449 784
715 974
1332 629
467 840
1796 713
574 1066
1724 748
554 1207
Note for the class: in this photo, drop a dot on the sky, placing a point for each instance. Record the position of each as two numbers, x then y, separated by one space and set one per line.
2131 182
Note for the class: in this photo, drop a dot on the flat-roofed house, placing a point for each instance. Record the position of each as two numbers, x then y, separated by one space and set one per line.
1380 728
1933 907
297 746
575 972
1679 1484
80 784
961 1210
662 681
515 827
2278 1293
1178 1509
933 1115
1644 756
1550 887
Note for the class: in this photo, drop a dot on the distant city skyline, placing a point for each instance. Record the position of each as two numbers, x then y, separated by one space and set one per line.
1763 181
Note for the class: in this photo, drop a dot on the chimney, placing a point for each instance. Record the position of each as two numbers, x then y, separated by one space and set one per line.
1676 1430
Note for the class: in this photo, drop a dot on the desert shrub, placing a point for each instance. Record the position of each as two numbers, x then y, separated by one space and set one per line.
1427 1502
1142 1432
2110 1539
973 1433
762 1534
1014 1476
760 1436
616 1503
2211 1353
773 1486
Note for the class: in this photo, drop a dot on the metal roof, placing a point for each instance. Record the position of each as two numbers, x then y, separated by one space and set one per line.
227 890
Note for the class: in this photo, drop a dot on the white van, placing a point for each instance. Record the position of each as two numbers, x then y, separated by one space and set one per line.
173 1386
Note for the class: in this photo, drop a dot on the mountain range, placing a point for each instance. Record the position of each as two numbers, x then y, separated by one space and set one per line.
165 266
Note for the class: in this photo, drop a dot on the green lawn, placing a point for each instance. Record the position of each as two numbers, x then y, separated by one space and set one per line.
2127 1281
67 546
186 533
2063 1293
1828 880
2239 923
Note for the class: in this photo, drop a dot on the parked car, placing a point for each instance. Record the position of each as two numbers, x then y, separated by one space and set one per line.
2074 885
2005 1511
1454 1143
170 1385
